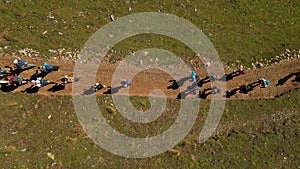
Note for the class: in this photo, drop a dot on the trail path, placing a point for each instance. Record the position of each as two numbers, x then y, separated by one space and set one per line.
148 80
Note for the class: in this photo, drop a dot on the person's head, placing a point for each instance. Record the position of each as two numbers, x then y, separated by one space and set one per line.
15 61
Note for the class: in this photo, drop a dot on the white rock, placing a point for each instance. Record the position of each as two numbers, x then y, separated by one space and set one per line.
112 18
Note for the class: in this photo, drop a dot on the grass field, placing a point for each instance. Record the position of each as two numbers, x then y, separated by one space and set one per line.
240 30
251 134
261 133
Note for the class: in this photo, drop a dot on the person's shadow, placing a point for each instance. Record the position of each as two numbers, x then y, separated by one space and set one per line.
248 88
113 90
31 89
297 78
205 93
232 92
18 71
37 75
57 87
176 84
190 89
8 87
89 91
203 81
283 80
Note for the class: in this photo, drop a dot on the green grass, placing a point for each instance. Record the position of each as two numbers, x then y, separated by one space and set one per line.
260 133
251 134
240 30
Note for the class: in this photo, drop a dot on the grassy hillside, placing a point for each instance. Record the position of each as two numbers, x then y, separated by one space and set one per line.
240 30
261 133
251 134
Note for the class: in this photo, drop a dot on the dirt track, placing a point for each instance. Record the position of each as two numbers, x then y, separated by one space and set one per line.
155 79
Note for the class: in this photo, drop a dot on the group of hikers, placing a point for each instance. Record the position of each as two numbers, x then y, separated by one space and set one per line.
12 80
215 90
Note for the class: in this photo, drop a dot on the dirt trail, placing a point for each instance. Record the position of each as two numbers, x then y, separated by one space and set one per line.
148 80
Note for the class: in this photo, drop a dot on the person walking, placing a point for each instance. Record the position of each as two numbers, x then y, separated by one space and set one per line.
126 83
194 76
263 82
16 80
48 68
99 86
39 82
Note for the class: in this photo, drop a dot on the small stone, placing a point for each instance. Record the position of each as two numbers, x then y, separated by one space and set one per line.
260 64
10 149
21 14
50 155
174 151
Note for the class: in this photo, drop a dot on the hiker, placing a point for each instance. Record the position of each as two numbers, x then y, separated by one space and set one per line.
39 82
215 90
241 70
126 83
47 68
99 86
20 63
212 77
67 79
263 82
16 80
3 72
194 76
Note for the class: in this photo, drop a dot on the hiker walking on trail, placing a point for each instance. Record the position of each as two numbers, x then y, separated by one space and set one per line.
263 82
39 82
241 70
67 79
194 76
19 64
16 80
212 77
98 86
3 72
126 83
48 68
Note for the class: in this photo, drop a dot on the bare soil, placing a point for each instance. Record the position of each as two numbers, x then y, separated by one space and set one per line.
148 80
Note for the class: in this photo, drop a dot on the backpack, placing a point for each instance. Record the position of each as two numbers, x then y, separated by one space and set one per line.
268 82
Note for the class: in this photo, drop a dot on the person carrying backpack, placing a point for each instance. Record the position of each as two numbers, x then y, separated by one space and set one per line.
3 72
241 70
194 76
39 82
264 83
98 86
126 83
48 68
16 80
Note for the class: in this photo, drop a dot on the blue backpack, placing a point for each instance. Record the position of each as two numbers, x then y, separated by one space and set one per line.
268 82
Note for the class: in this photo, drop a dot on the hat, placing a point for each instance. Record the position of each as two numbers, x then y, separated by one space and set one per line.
15 61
